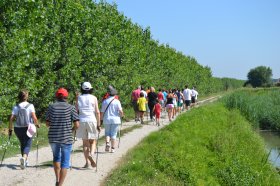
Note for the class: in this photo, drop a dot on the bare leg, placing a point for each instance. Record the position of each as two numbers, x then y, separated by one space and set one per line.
63 173
86 150
56 167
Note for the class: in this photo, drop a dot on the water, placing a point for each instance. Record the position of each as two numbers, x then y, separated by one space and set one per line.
272 142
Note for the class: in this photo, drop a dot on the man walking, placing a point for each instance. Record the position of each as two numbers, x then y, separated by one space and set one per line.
187 97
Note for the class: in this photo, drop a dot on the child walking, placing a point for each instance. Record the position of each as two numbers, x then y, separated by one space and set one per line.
142 106
157 110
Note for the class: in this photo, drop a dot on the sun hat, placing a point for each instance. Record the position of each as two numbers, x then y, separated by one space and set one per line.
86 86
31 130
61 92
111 90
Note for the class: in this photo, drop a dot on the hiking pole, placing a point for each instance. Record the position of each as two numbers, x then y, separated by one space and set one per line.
10 134
120 134
37 145
72 152
97 151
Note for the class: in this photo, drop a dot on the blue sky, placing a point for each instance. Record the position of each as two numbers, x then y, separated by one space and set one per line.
229 36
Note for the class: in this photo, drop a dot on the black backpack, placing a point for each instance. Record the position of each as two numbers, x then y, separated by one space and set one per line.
23 118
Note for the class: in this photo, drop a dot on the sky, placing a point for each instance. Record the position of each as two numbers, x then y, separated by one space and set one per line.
230 36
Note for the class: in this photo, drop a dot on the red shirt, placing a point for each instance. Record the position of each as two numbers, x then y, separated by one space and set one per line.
157 108
160 96
135 94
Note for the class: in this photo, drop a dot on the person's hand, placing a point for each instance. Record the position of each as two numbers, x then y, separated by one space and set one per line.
10 132
101 122
98 129
37 125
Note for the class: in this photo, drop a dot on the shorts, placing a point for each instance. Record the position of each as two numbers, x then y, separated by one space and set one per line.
179 104
193 99
61 154
169 106
87 130
135 106
111 130
188 102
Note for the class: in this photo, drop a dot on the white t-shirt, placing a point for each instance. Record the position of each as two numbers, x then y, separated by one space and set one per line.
112 115
30 109
187 94
86 106
145 93
194 93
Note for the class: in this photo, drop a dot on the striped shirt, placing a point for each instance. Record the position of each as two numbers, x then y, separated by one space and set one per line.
60 115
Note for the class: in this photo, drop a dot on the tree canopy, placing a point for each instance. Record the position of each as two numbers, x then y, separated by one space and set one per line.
260 76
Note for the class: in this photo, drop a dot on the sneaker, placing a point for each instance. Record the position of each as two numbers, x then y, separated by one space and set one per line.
112 150
22 163
107 148
92 162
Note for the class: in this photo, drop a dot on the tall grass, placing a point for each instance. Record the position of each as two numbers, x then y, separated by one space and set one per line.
260 106
207 146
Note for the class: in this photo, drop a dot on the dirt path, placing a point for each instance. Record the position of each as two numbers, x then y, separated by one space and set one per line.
11 174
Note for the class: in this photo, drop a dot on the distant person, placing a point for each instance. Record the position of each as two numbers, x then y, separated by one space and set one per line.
111 114
179 100
59 118
89 115
21 126
134 97
142 106
169 104
187 97
194 97
157 111
152 96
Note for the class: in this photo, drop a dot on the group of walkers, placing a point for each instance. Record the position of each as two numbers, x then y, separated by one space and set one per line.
84 119
65 121
172 101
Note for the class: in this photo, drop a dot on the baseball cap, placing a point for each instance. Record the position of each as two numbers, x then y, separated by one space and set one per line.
86 86
61 92
31 130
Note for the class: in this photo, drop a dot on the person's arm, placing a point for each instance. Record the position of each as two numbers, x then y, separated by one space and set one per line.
12 118
76 104
97 115
34 117
76 125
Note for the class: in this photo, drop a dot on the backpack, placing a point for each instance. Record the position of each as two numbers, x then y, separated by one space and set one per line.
23 118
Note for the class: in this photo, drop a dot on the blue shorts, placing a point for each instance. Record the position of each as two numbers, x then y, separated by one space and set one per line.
111 130
61 154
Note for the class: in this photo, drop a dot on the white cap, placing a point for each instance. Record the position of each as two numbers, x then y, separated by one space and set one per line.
86 86
31 130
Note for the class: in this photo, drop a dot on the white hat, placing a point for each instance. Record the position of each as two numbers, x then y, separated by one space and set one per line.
31 130
86 86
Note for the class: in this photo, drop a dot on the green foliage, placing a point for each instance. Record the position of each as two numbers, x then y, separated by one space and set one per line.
260 106
49 44
260 76
206 146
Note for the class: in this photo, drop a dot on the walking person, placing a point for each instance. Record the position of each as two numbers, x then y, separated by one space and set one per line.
157 111
89 116
152 97
111 113
134 97
169 105
187 97
194 94
59 118
142 106
24 113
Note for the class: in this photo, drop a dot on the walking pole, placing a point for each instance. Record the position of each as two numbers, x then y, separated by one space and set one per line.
97 150
72 152
10 134
37 154
120 134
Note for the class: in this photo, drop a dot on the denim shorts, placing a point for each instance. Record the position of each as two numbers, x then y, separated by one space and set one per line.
111 130
61 154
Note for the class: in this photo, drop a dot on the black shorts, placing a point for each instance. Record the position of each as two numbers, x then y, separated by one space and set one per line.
188 102
193 99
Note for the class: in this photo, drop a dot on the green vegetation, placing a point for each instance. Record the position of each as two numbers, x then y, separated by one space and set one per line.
260 76
260 106
207 146
50 43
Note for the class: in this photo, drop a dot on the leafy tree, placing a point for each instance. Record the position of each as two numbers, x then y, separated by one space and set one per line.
260 76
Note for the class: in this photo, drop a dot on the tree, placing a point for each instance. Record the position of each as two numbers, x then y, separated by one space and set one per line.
260 76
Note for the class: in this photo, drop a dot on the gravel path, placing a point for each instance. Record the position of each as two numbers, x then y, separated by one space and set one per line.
11 174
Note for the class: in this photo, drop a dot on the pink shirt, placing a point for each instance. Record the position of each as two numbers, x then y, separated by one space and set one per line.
135 94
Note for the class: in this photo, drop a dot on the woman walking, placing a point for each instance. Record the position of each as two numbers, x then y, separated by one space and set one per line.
24 113
152 97
169 104
89 115
59 118
111 113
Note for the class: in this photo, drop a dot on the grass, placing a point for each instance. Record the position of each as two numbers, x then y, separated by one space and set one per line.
206 146
260 106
